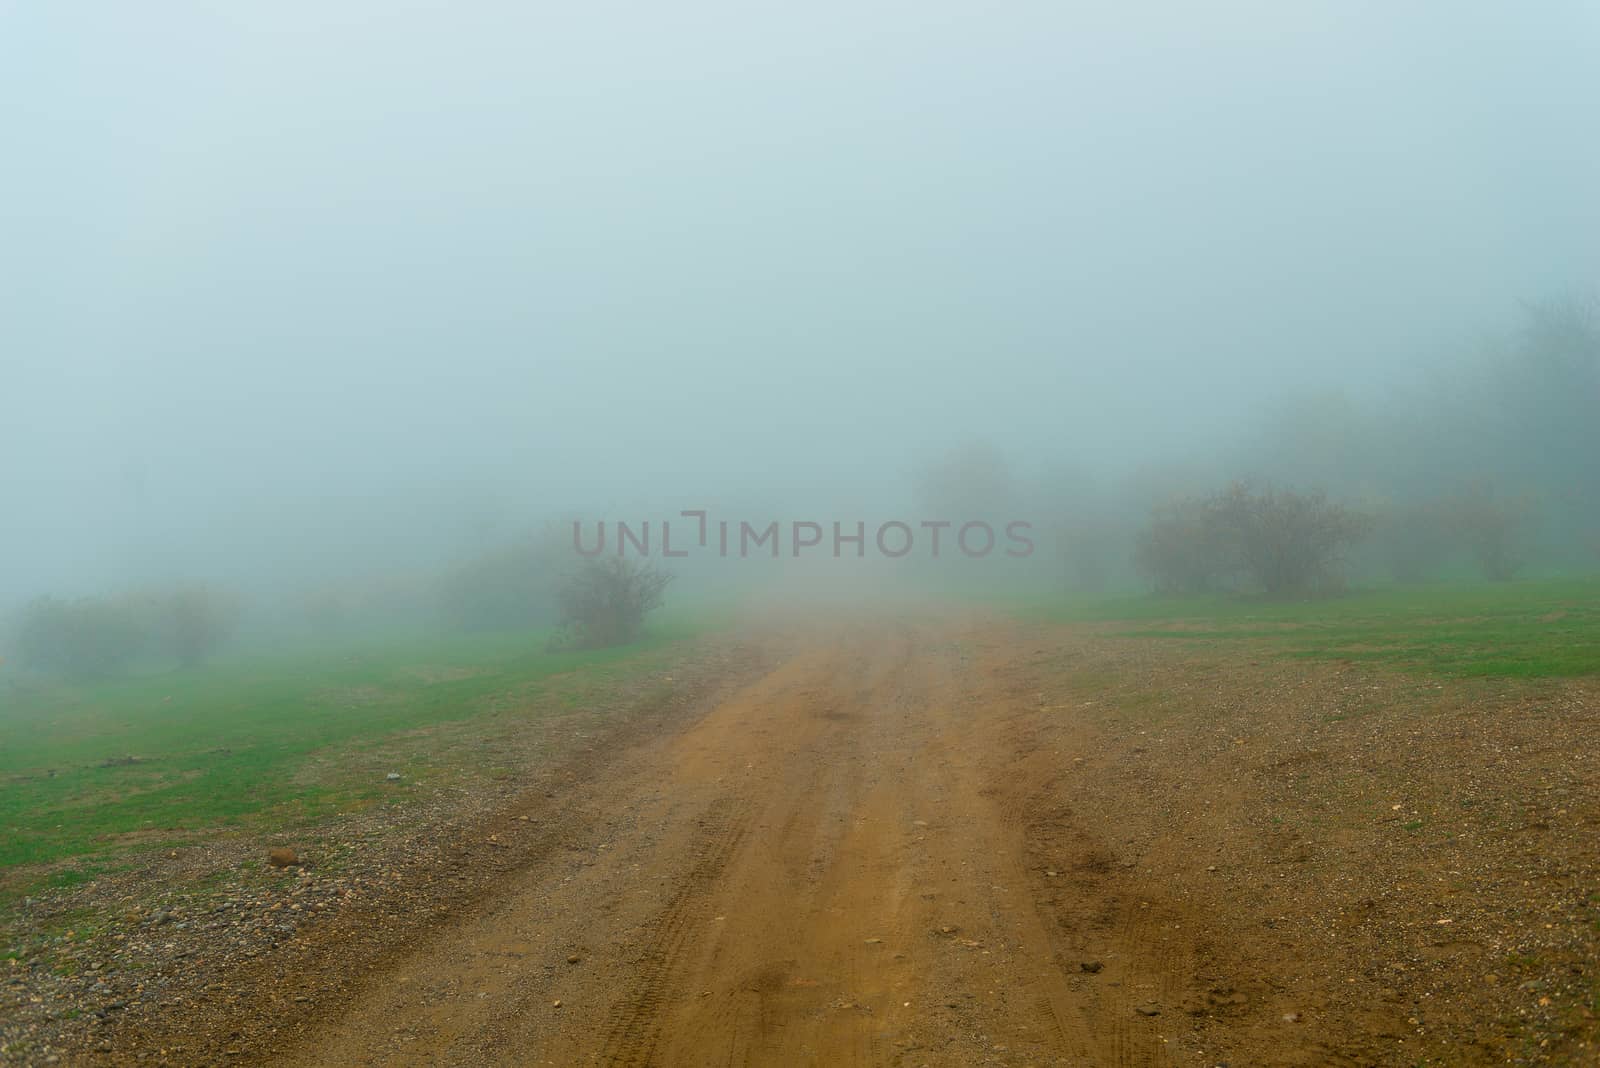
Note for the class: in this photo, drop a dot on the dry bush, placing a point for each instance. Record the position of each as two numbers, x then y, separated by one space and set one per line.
605 601
1281 542
1186 549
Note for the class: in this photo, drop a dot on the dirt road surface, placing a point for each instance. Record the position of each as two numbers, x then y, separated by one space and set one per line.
829 868
960 841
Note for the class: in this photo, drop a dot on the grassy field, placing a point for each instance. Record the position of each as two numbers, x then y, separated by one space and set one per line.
1507 630
86 771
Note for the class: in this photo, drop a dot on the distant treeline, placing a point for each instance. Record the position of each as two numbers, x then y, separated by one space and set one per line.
534 582
100 637
1490 469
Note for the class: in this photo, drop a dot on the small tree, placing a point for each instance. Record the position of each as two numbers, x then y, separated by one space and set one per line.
606 600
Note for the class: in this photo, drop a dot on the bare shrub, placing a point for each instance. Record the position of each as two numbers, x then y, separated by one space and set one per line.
1281 542
605 601
1186 548
1292 543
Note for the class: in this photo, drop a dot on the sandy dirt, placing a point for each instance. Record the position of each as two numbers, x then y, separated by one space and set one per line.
960 842
830 868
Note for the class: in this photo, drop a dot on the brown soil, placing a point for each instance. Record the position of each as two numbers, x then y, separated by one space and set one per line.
963 842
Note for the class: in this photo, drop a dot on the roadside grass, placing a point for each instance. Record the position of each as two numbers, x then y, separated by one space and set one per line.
88 772
1526 630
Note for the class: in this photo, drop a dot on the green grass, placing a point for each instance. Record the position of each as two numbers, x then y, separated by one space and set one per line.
1510 630
220 745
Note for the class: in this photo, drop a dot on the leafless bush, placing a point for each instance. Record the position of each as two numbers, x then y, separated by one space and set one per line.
1281 542
1292 543
1187 548
606 600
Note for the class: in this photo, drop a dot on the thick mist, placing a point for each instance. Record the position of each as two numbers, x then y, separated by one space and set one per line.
311 297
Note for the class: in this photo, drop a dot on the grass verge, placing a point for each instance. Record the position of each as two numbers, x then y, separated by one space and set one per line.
89 771
1510 630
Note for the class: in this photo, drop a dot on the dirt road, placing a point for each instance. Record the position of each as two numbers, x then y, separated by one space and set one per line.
829 868
964 841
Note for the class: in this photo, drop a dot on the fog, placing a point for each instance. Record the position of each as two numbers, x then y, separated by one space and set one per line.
298 294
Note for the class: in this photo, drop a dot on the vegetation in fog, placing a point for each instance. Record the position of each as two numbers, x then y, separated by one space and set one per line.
510 587
355 387
198 622
90 638
1276 541
101 637
604 601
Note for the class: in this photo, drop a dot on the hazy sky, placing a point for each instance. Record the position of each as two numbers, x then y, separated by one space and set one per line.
276 276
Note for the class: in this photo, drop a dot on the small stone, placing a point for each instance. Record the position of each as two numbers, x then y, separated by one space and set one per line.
1091 966
556 1004
573 958
1149 1008
393 776
283 857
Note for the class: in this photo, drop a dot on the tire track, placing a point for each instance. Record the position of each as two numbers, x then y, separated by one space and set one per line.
634 1031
